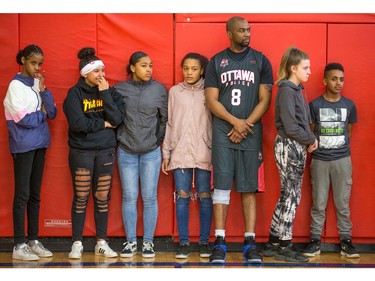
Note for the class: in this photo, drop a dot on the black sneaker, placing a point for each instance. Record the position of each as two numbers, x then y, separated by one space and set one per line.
204 250
269 249
347 249
312 249
291 254
148 249
183 251
219 251
250 254
130 249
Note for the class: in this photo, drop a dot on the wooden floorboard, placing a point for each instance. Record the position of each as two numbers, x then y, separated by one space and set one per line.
327 266
167 260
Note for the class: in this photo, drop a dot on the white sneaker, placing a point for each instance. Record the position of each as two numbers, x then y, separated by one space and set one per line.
24 253
39 249
102 249
77 250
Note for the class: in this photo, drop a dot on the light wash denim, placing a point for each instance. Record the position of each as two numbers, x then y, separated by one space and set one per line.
183 180
144 169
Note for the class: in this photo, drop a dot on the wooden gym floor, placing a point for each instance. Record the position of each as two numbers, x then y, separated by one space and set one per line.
163 265
167 260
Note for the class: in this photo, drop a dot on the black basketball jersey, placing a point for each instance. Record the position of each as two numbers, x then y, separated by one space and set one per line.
238 82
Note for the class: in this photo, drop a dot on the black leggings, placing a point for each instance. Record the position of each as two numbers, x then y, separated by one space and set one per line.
28 174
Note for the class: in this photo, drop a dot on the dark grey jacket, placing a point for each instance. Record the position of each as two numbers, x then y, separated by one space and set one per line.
145 116
292 118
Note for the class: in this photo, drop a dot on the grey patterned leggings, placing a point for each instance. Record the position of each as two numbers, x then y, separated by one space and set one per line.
290 159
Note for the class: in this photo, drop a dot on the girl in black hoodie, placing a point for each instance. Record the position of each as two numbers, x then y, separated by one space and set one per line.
93 110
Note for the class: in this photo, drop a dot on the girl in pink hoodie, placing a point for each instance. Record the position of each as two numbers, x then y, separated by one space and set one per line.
187 151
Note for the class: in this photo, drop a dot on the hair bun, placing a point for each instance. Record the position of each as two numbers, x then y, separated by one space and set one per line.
86 53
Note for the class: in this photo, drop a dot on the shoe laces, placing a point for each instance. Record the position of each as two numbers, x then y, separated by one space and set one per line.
271 245
184 246
103 245
313 244
128 245
27 250
249 241
348 243
220 247
203 246
219 240
76 246
293 248
40 245
148 246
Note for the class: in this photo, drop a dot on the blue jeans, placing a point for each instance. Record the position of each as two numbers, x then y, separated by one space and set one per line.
183 180
143 169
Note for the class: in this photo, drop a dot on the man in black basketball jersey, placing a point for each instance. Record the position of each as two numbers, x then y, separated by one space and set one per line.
238 89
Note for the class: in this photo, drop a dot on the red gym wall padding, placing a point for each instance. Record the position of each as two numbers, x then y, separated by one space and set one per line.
346 38
353 45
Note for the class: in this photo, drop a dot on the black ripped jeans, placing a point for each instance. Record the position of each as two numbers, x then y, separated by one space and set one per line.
88 168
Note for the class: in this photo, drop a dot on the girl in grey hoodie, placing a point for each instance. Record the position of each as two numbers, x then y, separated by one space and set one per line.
139 156
294 138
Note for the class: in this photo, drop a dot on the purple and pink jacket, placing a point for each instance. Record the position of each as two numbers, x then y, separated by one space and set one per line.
27 123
